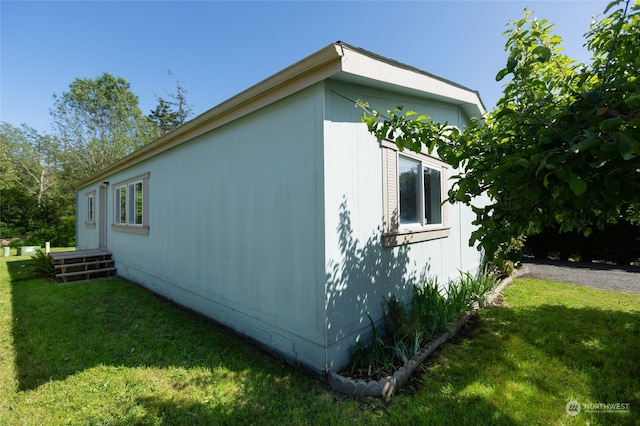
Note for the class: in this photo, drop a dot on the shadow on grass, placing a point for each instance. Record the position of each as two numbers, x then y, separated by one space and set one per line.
508 360
20 270
60 331
540 355
63 330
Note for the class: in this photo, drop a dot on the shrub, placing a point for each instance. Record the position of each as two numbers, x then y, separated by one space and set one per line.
396 318
405 348
407 328
372 359
429 307
42 264
480 285
62 234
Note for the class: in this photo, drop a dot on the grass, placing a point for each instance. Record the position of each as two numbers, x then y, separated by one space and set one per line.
109 352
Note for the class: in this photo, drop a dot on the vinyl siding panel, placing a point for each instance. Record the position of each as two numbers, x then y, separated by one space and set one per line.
360 192
233 229
273 224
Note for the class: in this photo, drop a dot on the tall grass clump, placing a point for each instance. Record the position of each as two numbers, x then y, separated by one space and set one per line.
480 285
407 327
371 359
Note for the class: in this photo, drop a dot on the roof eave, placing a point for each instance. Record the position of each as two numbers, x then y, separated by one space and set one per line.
373 67
310 70
336 58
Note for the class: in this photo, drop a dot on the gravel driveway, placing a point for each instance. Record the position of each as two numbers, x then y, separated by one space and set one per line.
617 278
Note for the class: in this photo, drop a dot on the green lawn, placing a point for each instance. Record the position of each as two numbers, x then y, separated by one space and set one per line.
108 352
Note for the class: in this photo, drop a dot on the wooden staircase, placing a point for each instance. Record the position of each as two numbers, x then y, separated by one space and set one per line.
82 265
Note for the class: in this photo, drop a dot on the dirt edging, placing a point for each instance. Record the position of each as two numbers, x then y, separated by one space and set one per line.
385 387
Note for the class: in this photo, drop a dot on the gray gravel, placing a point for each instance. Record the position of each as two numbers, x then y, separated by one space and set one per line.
617 278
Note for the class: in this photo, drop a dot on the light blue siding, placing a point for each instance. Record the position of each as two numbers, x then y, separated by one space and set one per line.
233 226
272 224
361 273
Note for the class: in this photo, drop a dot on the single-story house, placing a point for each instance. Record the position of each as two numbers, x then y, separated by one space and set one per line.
276 213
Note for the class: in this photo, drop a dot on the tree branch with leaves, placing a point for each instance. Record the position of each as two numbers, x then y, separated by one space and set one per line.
562 146
98 122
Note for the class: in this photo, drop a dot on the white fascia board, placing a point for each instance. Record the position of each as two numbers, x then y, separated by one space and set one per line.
364 66
336 58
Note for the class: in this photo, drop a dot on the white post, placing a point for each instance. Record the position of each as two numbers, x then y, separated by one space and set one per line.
47 247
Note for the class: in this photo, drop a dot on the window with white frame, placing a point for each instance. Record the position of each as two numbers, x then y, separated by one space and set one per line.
131 205
91 204
414 187
420 189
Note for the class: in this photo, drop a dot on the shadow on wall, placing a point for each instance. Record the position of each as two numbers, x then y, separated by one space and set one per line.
366 274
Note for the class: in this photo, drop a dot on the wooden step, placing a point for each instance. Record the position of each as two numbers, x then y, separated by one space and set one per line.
86 275
85 265
62 257
82 264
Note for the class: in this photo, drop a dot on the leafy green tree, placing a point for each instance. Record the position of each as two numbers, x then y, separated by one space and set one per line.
171 113
34 203
562 146
6 165
98 122
32 160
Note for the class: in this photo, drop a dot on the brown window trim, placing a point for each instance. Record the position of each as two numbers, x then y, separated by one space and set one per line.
402 237
393 234
134 229
131 229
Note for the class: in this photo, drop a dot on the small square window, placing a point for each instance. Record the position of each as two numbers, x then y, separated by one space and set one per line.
413 190
131 202
420 199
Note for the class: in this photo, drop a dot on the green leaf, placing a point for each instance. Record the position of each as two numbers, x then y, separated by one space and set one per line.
502 74
553 135
635 122
592 97
578 186
597 164
626 147
502 112
610 124
610 5
564 173
541 53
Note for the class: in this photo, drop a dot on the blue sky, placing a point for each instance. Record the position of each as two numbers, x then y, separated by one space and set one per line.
217 49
